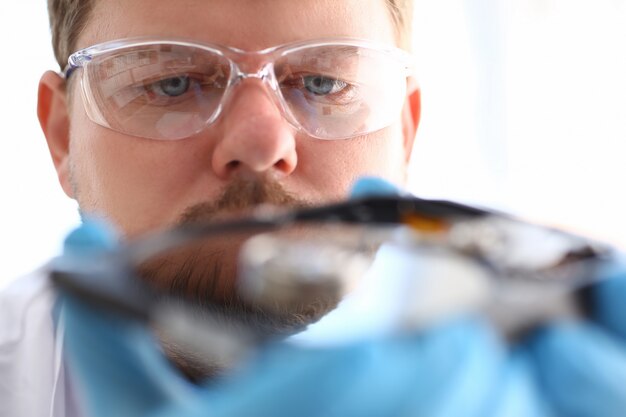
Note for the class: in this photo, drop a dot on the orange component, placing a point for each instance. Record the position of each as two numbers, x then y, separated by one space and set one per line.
425 224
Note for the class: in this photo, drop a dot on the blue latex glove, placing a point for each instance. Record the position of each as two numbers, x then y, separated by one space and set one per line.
449 371
457 369
578 368
582 366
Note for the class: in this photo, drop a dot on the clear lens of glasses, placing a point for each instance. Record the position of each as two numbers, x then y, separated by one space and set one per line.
172 91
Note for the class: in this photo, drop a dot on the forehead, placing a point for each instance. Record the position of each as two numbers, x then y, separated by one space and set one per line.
245 24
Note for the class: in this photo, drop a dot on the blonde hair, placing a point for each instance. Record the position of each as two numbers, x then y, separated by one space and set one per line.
402 14
69 17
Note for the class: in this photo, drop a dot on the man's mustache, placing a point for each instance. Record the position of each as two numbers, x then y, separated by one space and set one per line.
241 195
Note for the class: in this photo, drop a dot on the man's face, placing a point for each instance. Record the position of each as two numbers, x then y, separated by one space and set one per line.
142 184
250 154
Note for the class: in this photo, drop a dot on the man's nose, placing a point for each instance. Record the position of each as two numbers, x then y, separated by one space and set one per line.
255 137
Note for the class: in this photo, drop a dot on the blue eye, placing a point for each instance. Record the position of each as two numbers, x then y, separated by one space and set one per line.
320 85
173 87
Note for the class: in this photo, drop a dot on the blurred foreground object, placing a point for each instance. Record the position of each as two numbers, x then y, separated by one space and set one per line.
427 363
467 259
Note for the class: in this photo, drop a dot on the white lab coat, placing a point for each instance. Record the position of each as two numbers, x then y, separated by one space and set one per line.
33 380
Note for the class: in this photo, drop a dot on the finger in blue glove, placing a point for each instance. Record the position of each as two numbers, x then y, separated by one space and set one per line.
373 187
449 371
117 362
582 370
608 299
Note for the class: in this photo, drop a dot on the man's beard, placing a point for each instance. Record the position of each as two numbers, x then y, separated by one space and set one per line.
204 276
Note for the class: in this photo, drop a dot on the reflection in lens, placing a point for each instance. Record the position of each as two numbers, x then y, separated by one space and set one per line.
371 97
157 91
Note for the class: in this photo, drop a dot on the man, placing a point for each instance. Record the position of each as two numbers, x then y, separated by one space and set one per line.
191 115
294 127
215 153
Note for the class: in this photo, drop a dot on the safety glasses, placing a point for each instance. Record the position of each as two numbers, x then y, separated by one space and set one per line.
173 89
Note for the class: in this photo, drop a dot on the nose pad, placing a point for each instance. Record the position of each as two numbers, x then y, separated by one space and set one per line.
255 137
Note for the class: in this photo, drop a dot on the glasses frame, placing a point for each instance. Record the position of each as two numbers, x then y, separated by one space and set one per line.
235 57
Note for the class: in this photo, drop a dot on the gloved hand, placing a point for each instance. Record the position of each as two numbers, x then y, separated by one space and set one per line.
449 371
578 368
581 367
121 371
458 368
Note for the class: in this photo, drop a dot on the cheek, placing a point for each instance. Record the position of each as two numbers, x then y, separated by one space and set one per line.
336 165
133 183
381 155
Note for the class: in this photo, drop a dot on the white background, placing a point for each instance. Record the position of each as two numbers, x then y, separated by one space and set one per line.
524 109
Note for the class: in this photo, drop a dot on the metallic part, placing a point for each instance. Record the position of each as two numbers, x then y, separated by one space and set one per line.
521 305
516 249
456 259
444 285
276 270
